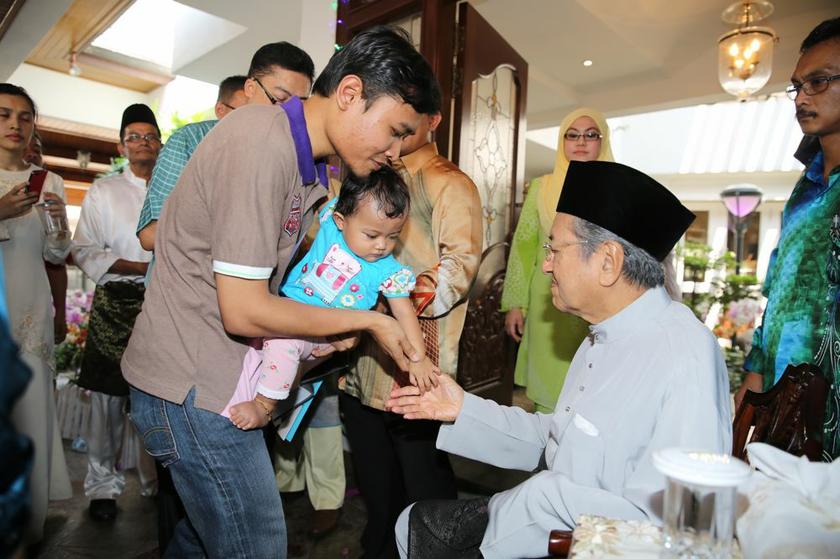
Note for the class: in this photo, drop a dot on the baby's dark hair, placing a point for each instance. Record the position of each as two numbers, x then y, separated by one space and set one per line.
384 185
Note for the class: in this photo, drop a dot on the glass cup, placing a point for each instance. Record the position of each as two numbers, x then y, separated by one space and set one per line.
699 503
54 225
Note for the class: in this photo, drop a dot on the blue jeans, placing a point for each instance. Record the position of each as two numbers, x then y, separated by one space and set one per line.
223 476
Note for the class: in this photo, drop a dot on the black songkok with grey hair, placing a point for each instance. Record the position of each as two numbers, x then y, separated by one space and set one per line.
626 202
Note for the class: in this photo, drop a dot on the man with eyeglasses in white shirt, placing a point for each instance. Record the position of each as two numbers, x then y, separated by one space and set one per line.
107 250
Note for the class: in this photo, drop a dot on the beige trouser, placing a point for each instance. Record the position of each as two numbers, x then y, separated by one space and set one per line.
319 468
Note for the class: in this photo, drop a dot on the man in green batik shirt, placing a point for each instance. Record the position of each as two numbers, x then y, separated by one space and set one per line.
802 283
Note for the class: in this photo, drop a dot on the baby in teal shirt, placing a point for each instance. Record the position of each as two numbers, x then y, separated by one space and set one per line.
348 266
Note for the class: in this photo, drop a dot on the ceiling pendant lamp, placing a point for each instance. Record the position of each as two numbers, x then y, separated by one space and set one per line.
745 54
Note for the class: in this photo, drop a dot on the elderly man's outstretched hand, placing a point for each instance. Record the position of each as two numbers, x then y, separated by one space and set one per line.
441 403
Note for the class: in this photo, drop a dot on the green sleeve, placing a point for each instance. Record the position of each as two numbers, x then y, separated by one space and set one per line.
756 360
524 251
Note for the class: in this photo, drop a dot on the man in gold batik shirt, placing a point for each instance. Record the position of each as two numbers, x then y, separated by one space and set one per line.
395 460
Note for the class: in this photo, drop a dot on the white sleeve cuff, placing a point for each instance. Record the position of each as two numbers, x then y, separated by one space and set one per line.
56 251
241 271
273 394
93 260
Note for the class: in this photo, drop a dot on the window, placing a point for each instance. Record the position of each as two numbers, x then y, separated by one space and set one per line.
749 257
163 36
698 231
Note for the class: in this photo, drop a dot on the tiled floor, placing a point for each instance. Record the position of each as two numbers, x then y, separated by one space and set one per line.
70 532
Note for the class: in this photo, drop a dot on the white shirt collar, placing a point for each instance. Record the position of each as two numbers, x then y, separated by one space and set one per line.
132 178
630 318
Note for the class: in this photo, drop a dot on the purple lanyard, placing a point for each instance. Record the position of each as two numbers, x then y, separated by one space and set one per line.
310 169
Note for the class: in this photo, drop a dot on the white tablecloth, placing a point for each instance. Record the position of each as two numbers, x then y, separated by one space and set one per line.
794 507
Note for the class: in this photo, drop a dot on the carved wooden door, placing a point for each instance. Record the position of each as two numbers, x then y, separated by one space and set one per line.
430 25
488 143
483 131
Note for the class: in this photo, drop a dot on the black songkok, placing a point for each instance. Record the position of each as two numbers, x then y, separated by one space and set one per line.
138 112
625 202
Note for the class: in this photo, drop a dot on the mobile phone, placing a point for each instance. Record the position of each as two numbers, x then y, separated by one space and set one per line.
36 181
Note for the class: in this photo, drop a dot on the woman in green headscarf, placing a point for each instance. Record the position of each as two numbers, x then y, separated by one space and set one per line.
548 338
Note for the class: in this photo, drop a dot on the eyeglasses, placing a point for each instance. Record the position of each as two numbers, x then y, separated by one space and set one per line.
550 251
812 86
274 100
588 136
137 138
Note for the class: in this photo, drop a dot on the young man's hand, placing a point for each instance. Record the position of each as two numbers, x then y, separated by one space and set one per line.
343 342
391 337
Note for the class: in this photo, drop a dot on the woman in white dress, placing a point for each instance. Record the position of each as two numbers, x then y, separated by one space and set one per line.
25 248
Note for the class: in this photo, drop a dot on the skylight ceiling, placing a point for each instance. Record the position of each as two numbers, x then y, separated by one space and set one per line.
164 34
728 137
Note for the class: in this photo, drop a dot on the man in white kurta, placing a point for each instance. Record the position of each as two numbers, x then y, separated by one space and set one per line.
649 376
105 232
106 248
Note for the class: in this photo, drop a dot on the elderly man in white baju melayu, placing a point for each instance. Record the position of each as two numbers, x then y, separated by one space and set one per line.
649 376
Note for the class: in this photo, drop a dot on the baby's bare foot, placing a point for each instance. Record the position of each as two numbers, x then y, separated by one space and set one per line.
248 415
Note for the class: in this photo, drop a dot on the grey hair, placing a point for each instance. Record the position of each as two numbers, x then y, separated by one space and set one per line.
640 268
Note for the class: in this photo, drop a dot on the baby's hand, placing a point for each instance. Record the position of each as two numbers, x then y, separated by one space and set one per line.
423 374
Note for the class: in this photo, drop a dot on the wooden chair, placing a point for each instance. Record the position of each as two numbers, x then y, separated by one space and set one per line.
789 416
559 542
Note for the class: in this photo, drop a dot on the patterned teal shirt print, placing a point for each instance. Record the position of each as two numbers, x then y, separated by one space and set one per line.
170 164
797 285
